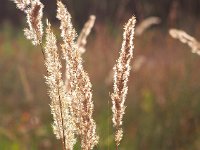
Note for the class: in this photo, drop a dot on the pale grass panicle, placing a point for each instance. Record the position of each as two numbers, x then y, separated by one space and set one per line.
118 136
22 4
34 13
137 64
145 24
71 100
63 125
187 39
68 33
72 110
79 83
121 74
82 39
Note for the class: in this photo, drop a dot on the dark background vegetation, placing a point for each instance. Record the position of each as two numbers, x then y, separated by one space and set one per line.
163 103
111 11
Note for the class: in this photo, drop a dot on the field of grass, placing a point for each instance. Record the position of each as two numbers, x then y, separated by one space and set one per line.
163 103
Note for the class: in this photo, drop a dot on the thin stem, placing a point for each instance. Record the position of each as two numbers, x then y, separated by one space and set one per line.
108 123
117 143
42 50
63 132
117 147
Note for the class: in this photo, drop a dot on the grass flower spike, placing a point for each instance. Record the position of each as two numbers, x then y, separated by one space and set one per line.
121 74
145 24
71 100
34 13
63 125
82 39
22 4
79 84
185 38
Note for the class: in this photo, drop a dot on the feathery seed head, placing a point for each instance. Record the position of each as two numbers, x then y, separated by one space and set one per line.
121 74
118 136
82 39
34 13
63 125
22 4
187 39
67 30
79 86
34 20
145 24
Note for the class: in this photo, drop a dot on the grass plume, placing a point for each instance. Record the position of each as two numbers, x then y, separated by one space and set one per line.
121 74
82 39
79 83
145 24
63 125
71 100
187 39
34 13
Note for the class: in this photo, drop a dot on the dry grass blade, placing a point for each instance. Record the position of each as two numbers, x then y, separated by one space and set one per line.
187 39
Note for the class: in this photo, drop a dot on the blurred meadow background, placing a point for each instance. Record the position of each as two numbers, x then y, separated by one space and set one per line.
163 103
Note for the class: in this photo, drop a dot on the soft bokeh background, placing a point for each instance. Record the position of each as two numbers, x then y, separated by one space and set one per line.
163 103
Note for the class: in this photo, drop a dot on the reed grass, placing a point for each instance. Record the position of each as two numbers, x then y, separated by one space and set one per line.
121 74
71 99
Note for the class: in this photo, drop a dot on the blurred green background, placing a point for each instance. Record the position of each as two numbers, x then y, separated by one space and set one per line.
163 102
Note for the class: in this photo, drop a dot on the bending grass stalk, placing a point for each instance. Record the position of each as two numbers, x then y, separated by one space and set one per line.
183 37
82 39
